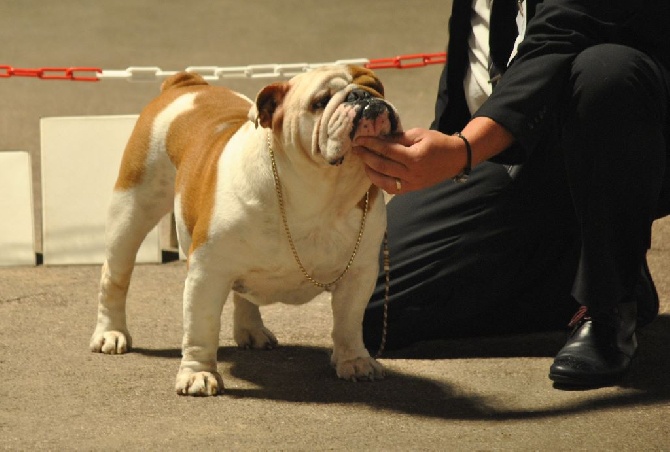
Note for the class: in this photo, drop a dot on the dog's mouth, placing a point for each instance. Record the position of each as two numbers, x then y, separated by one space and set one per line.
361 114
374 116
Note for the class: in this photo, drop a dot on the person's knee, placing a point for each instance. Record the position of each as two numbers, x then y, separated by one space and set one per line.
615 79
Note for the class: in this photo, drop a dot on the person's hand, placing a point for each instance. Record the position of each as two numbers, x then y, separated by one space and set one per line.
415 159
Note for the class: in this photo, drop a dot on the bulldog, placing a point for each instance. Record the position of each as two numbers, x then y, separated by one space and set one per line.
270 204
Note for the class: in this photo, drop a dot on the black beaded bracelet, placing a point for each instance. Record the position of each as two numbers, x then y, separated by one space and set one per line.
463 175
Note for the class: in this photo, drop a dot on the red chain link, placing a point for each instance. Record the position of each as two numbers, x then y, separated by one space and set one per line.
408 61
90 74
53 73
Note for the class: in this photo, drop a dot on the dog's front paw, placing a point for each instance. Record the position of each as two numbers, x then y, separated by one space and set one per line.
203 384
110 342
365 368
259 338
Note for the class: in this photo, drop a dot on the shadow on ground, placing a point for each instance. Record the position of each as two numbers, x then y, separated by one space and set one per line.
300 374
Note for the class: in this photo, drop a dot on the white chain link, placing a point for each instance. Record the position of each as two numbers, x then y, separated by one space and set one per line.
215 73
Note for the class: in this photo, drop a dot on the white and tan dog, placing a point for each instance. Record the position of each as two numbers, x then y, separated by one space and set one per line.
221 161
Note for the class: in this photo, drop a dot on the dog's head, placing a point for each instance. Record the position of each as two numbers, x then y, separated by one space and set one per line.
322 111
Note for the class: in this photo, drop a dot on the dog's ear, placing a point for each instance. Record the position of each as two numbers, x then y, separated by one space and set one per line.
267 110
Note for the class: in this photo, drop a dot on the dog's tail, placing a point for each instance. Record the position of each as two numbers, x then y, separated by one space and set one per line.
181 80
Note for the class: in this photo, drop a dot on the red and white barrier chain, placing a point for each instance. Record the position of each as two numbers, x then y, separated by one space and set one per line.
214 73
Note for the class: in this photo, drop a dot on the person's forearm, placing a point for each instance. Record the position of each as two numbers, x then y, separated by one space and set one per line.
487 138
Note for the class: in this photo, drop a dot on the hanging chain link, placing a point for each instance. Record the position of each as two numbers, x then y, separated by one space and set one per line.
215 73
408 61
80 74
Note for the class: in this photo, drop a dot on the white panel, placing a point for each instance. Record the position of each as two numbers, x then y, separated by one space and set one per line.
80 163
17 223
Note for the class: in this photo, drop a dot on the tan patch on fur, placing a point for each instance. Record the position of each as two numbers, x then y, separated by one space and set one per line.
181 80
135 155
367 80
195 142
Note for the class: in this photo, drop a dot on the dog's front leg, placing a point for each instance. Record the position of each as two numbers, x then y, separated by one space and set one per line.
351 359
205 293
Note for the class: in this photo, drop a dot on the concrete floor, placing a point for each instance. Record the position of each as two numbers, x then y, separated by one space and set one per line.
474 394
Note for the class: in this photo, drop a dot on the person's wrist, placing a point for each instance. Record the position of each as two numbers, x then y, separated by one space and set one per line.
465 173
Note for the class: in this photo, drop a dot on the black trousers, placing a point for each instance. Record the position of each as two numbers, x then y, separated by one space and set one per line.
518 248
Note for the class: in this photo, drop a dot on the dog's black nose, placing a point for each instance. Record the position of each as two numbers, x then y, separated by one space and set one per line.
358 94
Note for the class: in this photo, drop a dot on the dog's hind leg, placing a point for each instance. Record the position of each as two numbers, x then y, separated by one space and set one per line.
248 328
132 214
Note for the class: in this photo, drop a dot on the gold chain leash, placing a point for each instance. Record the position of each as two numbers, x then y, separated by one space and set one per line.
387 289
326 286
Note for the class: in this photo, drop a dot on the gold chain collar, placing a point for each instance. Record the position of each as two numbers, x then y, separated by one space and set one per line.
326 286
282 209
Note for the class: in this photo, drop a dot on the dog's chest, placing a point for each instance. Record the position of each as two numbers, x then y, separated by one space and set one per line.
264 288
278 268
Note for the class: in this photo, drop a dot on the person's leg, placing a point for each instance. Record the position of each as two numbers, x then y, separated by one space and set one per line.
615 150
493 255
615 154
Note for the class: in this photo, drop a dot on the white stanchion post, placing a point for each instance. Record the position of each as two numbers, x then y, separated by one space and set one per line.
80 163
17 222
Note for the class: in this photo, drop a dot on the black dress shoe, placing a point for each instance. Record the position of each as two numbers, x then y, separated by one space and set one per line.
600 348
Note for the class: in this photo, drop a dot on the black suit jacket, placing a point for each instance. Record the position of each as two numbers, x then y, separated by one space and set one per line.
531 88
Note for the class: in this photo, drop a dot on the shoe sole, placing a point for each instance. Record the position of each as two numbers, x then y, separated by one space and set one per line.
565 381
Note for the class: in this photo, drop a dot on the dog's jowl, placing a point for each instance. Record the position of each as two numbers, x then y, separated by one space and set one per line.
270 204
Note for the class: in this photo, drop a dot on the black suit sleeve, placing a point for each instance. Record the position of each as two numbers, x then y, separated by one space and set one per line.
532 88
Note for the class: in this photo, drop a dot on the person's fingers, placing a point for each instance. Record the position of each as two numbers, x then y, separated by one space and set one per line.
410 136
388 160
393 147
381 163
389 184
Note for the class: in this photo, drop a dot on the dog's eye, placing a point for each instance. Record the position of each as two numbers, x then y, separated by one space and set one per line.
320 102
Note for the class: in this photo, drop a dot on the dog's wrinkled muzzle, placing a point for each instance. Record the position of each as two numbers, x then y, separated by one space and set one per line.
374 116
359 114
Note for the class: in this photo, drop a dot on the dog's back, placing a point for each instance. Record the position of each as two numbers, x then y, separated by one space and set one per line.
152 135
